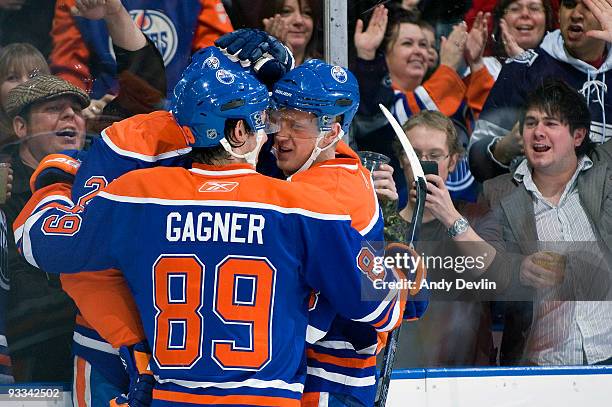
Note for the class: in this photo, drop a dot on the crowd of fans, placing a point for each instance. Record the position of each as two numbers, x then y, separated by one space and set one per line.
465 92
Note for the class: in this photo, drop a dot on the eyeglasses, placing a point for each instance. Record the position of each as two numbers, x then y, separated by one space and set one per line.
532 8
437 157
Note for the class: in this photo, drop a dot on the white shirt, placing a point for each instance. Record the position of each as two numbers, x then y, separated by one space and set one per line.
565 332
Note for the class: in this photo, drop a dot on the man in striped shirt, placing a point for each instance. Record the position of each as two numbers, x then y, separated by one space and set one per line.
558 219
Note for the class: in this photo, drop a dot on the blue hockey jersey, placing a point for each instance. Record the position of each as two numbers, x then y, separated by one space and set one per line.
211 310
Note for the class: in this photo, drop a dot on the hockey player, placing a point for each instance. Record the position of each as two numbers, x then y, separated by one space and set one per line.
217 289
315 104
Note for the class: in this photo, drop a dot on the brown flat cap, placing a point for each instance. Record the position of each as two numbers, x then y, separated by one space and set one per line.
41 88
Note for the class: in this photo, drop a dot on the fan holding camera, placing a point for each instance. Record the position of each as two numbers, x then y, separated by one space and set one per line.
435 141
453 333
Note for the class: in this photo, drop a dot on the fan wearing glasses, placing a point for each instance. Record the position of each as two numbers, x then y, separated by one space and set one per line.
435 141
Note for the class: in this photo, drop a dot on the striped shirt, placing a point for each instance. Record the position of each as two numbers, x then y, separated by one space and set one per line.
566 332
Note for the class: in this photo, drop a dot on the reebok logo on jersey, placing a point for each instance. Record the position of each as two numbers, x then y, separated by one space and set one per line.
213 186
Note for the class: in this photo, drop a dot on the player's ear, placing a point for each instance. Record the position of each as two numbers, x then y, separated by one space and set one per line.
332 135
240 134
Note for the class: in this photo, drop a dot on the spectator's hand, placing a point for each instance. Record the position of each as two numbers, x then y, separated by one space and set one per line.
509 146
602 10
452 48
477 41
277 27
11 4
533 275
439 201
96 9
510 45
384 184
368 41
96 106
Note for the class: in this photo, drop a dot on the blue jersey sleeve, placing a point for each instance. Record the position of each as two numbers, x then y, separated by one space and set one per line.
54 236
338 262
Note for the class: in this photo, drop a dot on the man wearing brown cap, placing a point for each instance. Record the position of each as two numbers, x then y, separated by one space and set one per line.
46 115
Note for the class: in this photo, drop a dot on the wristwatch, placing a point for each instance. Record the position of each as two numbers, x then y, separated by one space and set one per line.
460 226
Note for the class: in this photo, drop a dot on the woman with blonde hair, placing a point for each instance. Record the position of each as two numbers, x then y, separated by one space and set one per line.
18 63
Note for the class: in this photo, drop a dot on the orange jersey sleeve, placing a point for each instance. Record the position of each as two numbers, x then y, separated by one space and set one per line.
213 22
479 84
446 89
118 322
69 58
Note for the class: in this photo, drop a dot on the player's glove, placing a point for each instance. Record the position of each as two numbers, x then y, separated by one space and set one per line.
418 298
136 359
268 56
55 168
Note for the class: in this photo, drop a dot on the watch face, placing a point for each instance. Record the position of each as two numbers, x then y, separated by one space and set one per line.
461 225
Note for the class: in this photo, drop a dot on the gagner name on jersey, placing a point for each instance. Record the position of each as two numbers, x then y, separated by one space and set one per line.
225 227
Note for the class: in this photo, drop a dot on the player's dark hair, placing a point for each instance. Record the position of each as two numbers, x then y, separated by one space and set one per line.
217 154
559 100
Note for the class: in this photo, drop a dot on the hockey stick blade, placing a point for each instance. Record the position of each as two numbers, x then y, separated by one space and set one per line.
417 218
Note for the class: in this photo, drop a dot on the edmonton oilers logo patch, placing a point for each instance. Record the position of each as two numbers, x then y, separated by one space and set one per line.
224 76
212 62
339 74
160 29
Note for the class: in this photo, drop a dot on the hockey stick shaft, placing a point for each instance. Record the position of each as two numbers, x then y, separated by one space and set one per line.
417 217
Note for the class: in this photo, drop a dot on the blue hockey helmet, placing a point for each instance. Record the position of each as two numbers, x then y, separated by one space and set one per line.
316 87
212 89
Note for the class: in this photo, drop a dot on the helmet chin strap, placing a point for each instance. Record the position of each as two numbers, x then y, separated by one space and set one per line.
251 156
317 150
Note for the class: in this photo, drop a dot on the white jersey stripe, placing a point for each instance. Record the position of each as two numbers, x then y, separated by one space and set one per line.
370 350
376 215
94 344
235 204
254 383
351 167
142 157
323 399
341 378
87 384
381 308
313 334
3 341
19 231
226 173
26 244
394 317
